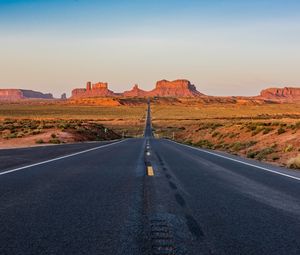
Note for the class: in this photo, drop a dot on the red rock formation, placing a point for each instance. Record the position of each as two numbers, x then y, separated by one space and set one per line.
36 94
17 94
135 92
10 94
78 92
63 96
99 89
177 88
281 93
100 85
88 86
164 88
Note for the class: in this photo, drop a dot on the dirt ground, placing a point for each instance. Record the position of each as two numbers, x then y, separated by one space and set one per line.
268 132
259 133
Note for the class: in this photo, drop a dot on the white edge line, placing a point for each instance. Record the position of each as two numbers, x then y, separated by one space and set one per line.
59 158
239 161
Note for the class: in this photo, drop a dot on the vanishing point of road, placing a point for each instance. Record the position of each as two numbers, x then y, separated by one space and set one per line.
144 196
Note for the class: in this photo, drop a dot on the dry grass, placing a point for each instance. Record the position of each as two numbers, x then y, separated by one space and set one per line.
267 132
124 120
228 111
262 132
294 162
30 122
63 111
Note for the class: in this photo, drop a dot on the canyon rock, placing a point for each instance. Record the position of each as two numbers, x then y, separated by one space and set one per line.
177 88
17 94
135 92
10 94
35 94
286 93
99 89
63 96
164 88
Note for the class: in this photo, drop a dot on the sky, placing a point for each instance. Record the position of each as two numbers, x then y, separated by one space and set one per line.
224 47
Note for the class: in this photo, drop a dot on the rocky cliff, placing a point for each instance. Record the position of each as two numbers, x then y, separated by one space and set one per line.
164 88
177 88
63 96
135 92
35 94
17 94
286 93
99 89
10 94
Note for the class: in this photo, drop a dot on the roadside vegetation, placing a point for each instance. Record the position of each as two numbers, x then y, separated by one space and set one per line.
28 123
294 162
267 132
55 131
258 132
69 111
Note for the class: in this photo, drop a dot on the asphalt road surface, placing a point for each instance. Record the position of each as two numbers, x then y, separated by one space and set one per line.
144 196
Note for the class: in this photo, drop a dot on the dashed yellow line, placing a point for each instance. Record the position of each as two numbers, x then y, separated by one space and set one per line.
150 171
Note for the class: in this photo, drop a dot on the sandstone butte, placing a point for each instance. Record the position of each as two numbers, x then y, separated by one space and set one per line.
164 88
182 88
179 88
288 93
17 94
99 89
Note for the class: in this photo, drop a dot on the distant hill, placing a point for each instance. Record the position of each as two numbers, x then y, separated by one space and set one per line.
281 94
17 94
179 91
185 89
164 88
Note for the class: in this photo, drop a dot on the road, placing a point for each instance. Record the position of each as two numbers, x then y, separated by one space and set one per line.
145 196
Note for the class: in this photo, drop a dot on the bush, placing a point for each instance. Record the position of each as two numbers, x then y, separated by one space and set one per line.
281 130
20 134
251 154
218 146
233 135
288 148
240 146
267 130
54 141
39 141
257 130
297 125
214 134
220 136
9 136
276 123
53 135
64 125
263 153
212 126
204 144
35 132
294 162
260 154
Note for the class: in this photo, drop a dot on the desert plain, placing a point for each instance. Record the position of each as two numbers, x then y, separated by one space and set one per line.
268 131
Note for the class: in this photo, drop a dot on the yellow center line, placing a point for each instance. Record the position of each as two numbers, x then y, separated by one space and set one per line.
150 171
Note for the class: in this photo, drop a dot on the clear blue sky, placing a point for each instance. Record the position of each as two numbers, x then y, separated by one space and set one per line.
225 47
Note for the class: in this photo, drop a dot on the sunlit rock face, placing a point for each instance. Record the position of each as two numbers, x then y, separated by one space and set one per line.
135 92
99 89
291 93
164 88
177 88
17 94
